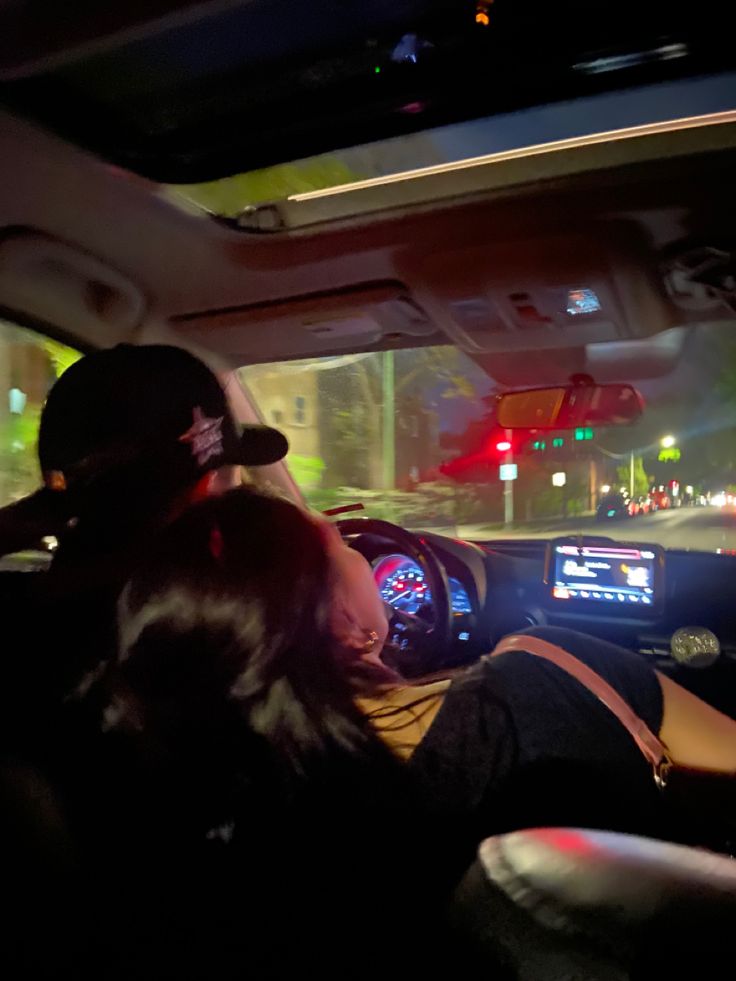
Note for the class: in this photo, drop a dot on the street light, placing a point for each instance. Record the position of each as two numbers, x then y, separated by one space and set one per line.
667 442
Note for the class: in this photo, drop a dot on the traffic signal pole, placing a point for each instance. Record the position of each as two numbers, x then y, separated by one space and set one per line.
508 487
389 421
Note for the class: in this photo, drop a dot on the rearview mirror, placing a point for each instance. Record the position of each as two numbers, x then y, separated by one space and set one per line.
569 407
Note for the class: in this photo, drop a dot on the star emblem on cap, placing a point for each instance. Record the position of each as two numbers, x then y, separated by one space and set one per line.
205 436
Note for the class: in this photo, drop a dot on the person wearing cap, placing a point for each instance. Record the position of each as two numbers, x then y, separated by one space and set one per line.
129 437
150 419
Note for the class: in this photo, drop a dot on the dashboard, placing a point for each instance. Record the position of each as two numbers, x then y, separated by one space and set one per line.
662 604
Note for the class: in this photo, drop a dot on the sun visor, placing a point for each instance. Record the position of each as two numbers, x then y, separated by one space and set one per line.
614 361
367 317
557 291
55 283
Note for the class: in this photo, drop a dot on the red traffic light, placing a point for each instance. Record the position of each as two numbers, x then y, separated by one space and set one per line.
503 446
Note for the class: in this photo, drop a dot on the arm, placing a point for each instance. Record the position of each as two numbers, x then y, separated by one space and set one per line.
358 612
696 734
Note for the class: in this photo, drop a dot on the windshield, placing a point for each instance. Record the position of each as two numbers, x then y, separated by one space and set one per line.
411 435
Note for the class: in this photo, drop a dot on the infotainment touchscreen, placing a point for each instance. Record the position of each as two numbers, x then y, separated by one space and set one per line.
626 576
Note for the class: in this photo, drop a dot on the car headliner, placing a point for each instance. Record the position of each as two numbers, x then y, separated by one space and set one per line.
330 256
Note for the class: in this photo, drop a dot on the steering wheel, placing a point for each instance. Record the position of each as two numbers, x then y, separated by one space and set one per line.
420 645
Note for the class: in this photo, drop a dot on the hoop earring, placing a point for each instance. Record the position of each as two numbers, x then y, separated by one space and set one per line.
371 641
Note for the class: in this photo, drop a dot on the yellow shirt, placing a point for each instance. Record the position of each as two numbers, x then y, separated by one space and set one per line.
402 716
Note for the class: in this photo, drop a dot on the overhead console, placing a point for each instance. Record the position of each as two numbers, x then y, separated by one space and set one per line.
598 576
595 283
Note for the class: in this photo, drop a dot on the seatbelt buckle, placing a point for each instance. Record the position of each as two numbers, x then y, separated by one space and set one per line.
662 771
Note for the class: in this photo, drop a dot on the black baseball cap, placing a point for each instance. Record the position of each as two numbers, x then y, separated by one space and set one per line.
151 407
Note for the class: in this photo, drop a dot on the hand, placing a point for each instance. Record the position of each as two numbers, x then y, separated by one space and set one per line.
24 523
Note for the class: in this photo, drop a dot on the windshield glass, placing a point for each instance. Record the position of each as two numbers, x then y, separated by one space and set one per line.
412 436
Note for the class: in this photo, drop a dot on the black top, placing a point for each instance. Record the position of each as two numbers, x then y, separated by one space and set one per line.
520 743
130 862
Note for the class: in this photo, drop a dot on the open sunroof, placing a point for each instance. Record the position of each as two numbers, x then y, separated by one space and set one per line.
239 86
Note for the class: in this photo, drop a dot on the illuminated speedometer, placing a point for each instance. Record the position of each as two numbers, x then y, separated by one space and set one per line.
402 584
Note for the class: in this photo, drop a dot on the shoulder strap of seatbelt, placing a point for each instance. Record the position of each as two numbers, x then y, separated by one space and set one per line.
652 748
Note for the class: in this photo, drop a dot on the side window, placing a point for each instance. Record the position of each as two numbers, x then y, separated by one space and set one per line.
29 365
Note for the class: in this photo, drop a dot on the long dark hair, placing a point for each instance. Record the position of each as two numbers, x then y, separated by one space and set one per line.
225 630
239 699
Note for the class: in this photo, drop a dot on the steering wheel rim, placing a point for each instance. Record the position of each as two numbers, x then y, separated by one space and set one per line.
438 635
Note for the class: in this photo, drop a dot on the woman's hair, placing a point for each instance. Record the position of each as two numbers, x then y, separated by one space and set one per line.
241 705
226 626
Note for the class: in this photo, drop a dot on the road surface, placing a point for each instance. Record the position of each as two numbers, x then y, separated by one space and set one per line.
704 528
